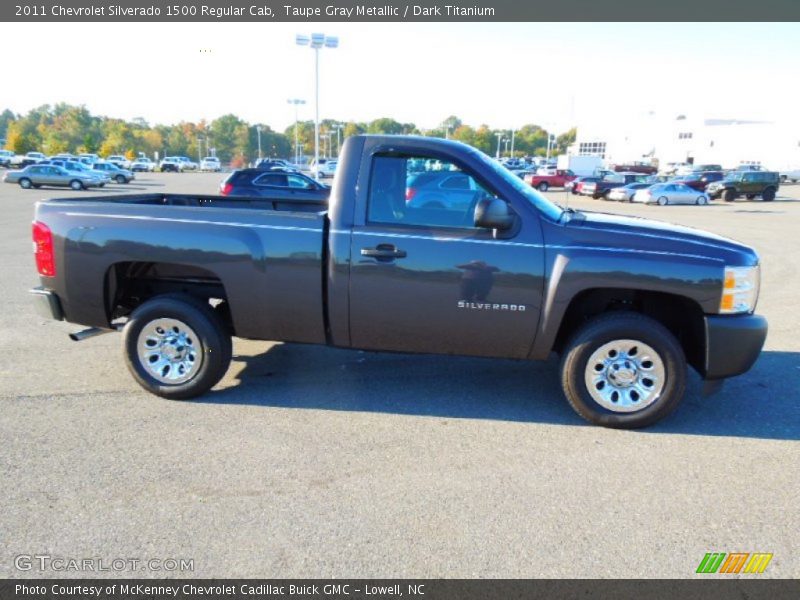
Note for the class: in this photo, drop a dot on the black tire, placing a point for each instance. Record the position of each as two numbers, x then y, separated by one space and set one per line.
605 194
120 179
614 326
768 195
750 196
76 184
213 337
25 183
543 186
663 201
729 195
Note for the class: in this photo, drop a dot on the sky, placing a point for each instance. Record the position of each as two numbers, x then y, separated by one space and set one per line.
502 74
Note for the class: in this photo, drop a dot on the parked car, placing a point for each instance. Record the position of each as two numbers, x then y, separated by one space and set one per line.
576 184
706 168
792 175
274 183
670 193
143 164
625 193
78 167
442 190
749 184
273 163
114 172
327 170
635 167
210 163
601 187
30 158
699 180
38 175
188 163
5 158
171 164
627 303
120 161
553 178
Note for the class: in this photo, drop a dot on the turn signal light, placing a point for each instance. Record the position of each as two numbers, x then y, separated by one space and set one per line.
43 249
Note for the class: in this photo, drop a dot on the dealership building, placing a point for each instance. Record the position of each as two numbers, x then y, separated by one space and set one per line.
728 142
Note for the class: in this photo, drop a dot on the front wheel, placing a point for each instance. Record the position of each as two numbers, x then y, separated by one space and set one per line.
25 183
76 185
768 195
663 201
623 370
176 347
121 179
701 201
542 187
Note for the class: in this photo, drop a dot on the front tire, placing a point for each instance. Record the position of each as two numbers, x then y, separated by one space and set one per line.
176 347
768 195
663 201
121 179
623 370
25 183
729 195
542 187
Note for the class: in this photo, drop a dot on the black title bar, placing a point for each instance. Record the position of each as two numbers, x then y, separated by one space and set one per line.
419 11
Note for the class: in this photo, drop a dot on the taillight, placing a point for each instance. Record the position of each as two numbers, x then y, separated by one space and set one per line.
226 189
43 249
410 193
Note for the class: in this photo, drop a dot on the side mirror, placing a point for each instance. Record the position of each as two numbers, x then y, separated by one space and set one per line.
494 213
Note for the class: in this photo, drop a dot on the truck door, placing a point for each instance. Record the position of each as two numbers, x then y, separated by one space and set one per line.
423 278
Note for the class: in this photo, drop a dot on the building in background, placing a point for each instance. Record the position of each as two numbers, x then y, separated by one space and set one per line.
727 142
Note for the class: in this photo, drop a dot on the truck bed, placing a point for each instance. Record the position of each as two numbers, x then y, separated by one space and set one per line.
266 261
203 201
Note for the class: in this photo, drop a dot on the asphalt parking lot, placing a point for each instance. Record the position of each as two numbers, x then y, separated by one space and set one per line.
313 462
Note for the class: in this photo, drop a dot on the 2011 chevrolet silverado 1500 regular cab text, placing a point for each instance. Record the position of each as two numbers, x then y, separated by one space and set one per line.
486 266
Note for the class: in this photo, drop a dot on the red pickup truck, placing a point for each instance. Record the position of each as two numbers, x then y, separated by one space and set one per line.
542 182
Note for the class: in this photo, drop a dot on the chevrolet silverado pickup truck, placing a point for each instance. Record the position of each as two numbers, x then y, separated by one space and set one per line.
626 302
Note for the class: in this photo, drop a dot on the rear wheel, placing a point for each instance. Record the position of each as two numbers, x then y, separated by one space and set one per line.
25 183
768 195
663 201
176 347
542 187
701 201
121 179
729 195
750 196
623 370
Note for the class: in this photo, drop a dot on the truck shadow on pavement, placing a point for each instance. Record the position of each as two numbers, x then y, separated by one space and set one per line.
763 403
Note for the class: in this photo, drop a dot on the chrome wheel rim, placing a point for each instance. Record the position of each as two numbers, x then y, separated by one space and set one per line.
625 376
169 351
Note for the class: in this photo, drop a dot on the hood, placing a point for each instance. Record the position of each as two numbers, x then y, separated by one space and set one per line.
635 233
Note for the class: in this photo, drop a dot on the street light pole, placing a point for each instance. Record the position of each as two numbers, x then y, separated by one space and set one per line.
316 41
499 135
258 129
297 102
339 127
513 134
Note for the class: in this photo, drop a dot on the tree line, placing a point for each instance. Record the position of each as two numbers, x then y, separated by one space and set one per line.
58 128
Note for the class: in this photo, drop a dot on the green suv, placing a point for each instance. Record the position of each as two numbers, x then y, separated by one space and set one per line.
745 183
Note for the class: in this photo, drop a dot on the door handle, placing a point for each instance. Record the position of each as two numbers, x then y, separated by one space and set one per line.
384 252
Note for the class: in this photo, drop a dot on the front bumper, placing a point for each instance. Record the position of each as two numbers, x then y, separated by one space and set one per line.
733 343
47 304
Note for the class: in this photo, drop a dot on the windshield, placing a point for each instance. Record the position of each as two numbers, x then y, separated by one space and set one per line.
552 210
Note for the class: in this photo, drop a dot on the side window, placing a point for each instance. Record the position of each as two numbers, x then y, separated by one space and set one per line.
748 177
298 182
420 191
36 170
272 179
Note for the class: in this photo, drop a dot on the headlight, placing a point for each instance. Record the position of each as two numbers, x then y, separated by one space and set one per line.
740 289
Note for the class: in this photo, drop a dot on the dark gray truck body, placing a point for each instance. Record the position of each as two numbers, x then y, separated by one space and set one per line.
301 272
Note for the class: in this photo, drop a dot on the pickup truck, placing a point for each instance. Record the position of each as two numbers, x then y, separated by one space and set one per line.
626 302
544 182
602 187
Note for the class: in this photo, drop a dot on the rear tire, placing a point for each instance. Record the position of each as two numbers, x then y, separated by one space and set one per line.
76 185
25 183
729 195
543 186
768 195
628 359
164 367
